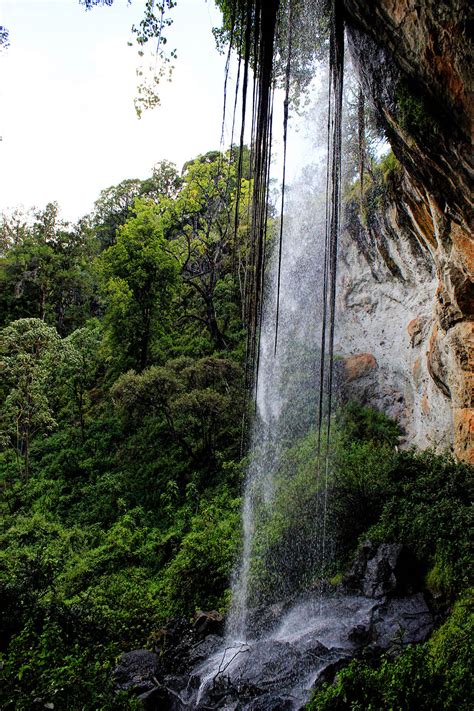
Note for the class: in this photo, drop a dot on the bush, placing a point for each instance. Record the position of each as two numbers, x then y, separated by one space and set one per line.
427 507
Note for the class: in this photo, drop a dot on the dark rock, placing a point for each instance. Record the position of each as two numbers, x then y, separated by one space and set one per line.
136 670
387 569
401 621
266 618
159 699
206 623
360 634
273 673
272 663
269 702
203 649
329 671
317 650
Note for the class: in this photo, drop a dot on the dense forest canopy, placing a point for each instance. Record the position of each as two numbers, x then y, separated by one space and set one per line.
122 399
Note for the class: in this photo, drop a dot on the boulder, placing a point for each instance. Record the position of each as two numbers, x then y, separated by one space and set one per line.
387 569
358 366
269 702
136 670
401 621
208 623
159 699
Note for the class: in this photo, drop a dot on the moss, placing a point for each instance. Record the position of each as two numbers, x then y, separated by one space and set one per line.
388 166
376 185
439 578
414 113
336 579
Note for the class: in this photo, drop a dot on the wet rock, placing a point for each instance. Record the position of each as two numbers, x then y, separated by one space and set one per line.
181 645
360 634
160 699
272 663
402 621
206 623
329 671
203 649
316 638
269 702
136 670
265 618
387 569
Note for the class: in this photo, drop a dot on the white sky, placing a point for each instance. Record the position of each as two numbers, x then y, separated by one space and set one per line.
67 84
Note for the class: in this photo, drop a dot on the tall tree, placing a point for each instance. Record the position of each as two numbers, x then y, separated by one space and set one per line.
211 248
29 350
139 275
115 204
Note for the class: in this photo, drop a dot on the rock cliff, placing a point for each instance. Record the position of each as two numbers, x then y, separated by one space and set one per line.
407 258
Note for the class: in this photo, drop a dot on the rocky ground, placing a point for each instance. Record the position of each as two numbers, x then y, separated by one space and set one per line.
302 642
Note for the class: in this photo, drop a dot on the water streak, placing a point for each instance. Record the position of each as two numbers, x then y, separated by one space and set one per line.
286 544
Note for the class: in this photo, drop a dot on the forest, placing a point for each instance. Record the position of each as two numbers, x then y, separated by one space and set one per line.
123 343
122 402
126 410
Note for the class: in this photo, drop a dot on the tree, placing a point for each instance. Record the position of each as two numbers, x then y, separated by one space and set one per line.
115 204
139 277
45 270
211 248
28 348
79 367
194 404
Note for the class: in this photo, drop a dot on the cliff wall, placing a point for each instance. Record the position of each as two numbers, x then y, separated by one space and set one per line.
407 258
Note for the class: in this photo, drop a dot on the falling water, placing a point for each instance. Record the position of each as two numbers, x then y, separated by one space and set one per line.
286 410
285 546
281 631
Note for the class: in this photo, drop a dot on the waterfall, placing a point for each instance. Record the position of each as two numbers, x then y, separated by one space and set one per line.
286 408
282 630
285 537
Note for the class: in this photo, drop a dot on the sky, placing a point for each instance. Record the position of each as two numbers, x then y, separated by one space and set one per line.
67 84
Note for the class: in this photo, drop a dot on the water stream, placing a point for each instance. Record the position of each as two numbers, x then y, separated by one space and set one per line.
286 410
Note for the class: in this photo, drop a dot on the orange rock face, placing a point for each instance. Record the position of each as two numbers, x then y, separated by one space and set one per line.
413 61
415 330
359 365
464 434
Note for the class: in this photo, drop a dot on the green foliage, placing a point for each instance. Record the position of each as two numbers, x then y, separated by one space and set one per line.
29 349
201 568
140 274
427 506
115 204
364 424
44 270
373 491
120 487
414 112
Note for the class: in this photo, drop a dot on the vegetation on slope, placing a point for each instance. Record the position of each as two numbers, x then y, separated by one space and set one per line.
121 409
